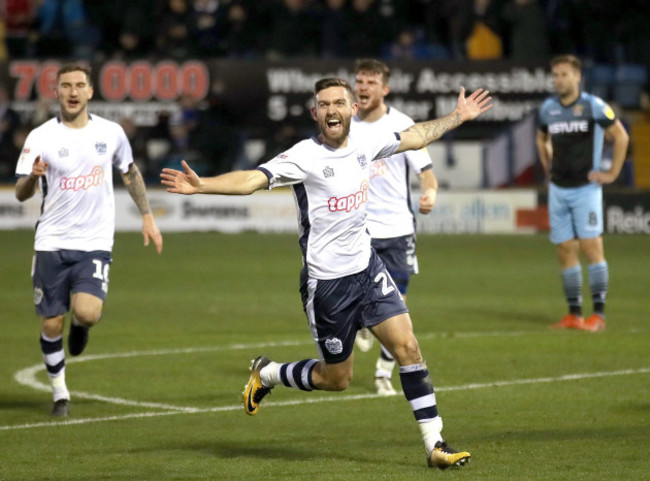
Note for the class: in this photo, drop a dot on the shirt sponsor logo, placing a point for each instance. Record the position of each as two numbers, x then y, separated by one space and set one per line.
349 202
569 127
96 177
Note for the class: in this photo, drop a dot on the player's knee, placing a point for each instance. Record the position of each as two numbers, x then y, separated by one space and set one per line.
52 327
87 317
408 352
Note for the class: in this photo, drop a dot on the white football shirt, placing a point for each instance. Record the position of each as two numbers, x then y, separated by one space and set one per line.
390 213
331 192
78 209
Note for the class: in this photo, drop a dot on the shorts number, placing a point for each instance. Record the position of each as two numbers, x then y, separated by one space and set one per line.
101 270
385 287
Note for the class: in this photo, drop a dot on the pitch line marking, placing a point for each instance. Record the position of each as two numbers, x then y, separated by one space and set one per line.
331 398
27 376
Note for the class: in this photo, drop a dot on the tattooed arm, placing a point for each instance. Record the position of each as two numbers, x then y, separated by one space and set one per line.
422 134
135 185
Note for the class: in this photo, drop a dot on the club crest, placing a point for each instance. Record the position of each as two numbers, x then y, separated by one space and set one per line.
328 172
63 152
361 158
100 147
334 345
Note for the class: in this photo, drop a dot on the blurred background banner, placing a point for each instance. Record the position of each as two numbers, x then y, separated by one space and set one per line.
267 93
512 211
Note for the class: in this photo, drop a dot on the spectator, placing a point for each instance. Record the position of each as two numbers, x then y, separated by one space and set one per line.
484 41
173 35
409 45
292 29
364 29
3 45
18 18
137 30
63 30
332 40
240 30
457 16
528 36
9 123
206 26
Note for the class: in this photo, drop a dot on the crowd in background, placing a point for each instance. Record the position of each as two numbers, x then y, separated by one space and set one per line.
600 31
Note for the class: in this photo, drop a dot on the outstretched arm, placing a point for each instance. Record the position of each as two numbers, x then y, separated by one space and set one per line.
240 182
423 133
135 185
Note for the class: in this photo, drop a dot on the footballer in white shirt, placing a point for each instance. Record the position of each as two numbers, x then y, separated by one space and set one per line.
344 284
70 159
390 220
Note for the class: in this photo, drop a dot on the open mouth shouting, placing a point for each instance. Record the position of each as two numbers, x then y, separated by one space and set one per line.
334 125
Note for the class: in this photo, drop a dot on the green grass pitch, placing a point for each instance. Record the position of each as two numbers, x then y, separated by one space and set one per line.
156 395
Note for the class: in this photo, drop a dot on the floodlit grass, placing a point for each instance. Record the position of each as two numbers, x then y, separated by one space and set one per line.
156 395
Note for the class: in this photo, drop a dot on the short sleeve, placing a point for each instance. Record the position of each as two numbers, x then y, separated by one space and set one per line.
284 169
123 157
418 160
603 114
28 155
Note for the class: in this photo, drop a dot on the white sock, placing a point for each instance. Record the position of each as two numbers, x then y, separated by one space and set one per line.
431 430
59 389
270 374
384 368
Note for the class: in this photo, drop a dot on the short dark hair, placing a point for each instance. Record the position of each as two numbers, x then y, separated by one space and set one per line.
74 67
326 83
567 58
374 66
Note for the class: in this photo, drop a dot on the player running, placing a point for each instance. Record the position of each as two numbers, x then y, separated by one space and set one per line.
344 284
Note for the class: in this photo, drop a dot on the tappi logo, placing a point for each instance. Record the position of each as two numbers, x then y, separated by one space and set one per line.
349 202
96 177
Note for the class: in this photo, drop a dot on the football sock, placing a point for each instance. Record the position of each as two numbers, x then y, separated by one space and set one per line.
572 283
418 390
297 375
598 284
54 358
431 433
385 364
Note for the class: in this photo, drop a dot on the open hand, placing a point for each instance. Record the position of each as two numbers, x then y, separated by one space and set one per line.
474 105
177 182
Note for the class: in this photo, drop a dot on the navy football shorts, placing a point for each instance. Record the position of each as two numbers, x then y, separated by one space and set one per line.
337 308
398 253
57 275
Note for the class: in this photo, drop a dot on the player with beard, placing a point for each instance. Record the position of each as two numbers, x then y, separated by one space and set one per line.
572 126
344 284
390 220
